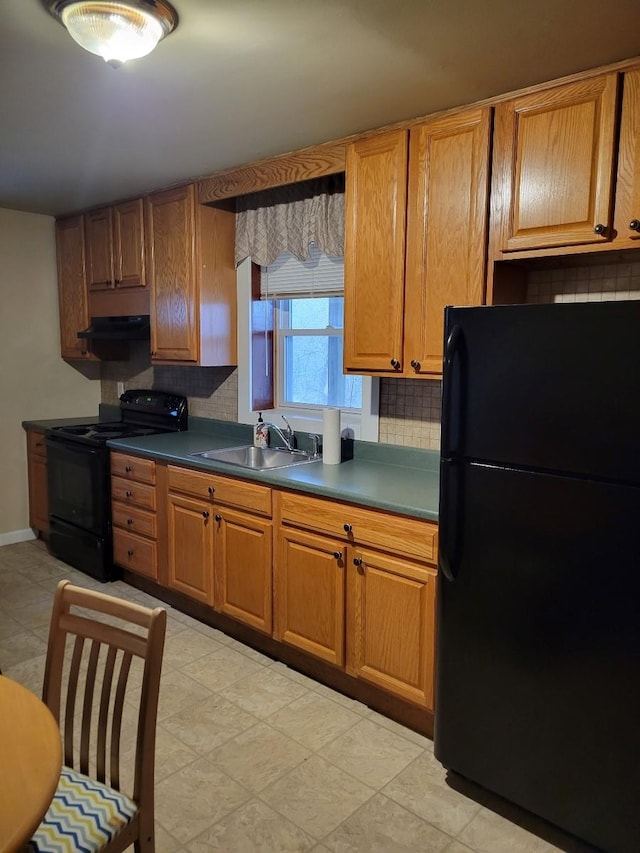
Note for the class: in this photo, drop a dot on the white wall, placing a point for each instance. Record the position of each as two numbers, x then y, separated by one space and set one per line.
35 383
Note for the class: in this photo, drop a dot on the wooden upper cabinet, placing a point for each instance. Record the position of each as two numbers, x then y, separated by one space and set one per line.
128 244
375 211
553 165
627 214
446 229
72 291
115 246
192 276
99 236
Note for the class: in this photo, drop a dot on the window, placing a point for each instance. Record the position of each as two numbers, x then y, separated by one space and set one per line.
291 342
309 355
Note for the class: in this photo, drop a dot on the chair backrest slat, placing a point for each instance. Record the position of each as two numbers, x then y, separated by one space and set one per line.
103 717
87 706
70 707
116 721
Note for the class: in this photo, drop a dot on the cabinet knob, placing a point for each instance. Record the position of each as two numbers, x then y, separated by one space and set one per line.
415 364
600 228
128 494
129 521
347 528
218 518
357 562
395 363
205 514
634 225
337 555
128 469
211 491
130 552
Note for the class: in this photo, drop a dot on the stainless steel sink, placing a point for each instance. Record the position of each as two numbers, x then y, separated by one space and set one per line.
258 458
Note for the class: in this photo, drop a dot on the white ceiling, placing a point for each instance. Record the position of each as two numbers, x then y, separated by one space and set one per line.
240 80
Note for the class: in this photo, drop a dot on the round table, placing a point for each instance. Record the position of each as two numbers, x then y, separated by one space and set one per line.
30 763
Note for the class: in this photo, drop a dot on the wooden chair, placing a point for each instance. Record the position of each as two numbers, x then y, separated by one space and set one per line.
109 639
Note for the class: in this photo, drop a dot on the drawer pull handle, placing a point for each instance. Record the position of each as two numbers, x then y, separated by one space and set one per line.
634 225
415 364
128 469
129 493
347 528
218 518
211 491
129 521
395 364
130 552
205 514
357 562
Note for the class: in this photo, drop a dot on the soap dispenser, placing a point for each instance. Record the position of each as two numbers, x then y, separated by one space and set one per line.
260 433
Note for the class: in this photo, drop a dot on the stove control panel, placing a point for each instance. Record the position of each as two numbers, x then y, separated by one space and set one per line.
173 407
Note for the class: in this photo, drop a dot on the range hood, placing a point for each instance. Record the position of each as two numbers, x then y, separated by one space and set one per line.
127 328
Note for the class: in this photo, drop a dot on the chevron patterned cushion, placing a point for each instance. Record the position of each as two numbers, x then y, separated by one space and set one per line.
83 816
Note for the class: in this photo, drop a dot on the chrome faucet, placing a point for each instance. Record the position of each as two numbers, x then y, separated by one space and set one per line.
288 436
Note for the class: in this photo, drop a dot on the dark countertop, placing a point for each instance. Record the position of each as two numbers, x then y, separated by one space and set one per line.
397 479
383 476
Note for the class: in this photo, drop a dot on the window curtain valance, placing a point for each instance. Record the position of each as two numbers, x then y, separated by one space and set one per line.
291 219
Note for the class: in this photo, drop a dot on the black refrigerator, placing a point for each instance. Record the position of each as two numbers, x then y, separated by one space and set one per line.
538 644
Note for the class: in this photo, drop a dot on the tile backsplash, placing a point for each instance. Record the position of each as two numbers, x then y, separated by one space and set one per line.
409 408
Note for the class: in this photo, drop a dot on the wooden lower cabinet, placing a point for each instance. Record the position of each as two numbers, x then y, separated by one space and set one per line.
310 594
358 591
390 624
220 544
190 552
242 573
37 479
133 514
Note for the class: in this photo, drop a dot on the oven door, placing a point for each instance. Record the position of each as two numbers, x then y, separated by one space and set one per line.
78 485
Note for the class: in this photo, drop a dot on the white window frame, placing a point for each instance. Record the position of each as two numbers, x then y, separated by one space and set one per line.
361 425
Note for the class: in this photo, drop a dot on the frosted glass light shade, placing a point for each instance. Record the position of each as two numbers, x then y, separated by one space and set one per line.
118 30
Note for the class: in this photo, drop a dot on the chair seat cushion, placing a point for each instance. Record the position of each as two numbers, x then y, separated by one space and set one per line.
83 816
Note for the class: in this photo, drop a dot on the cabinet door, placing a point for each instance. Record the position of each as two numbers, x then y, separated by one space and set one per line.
375 211
128 239
309 594
446 229
99 235
627 217
37 477
243 567
190 557
72 292
390 624
172 275
554 157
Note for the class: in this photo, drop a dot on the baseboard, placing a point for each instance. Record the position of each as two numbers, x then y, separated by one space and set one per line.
16 536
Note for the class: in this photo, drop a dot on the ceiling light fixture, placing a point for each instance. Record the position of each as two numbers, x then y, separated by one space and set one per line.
116 30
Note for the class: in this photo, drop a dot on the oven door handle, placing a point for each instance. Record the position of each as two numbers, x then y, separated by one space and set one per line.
57 442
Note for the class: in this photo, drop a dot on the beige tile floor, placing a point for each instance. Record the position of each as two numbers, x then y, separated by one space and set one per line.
252 756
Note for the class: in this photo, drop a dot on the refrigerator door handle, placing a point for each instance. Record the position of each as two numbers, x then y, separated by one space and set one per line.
448 539
451 349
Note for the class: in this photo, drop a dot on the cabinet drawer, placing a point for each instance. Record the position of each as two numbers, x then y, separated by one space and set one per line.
400 535
226 490
133 468
35 443
135 553
133 493
134 519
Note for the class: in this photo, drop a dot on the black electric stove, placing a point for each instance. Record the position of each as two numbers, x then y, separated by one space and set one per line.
79 483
